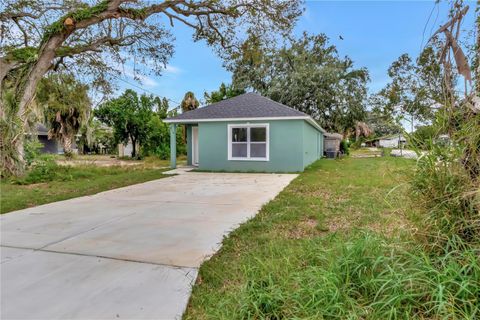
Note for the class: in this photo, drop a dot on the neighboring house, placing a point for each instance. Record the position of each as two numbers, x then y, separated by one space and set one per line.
52 145
332 144
248 133
49 145
391 141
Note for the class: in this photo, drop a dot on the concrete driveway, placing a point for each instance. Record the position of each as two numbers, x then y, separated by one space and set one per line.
128 253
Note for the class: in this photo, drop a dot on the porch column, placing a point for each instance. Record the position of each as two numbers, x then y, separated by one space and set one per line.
173 145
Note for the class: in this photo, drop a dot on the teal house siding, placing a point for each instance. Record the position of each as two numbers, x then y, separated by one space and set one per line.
292 145
285 147
312 144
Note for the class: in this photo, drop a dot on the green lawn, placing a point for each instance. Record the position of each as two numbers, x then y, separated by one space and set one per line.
337 243
73 182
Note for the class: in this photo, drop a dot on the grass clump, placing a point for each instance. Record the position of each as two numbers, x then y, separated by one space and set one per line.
340 242
386 152
447 182
364 277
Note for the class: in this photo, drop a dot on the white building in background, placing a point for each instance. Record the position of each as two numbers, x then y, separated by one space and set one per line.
393 141
125 150
390 141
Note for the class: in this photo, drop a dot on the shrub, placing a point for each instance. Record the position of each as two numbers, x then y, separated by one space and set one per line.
447 181
344 147
31 150
162 151
45 169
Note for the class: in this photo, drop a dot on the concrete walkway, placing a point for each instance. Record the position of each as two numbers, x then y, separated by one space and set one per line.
130 253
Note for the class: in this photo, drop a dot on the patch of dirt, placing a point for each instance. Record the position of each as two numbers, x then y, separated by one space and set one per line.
340 223
34 185
307 227
389 224
315 193
99 163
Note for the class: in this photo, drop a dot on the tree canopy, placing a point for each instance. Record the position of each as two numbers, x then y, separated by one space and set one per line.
92 38
65 105
415 88
129 116
224 92
307 75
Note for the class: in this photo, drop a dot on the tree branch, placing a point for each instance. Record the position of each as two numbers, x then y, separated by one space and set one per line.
25 35
66 51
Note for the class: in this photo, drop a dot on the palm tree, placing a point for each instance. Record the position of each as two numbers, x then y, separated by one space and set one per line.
188 103
362 129
66 106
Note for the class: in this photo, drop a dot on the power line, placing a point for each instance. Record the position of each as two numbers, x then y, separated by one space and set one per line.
145 90
426 24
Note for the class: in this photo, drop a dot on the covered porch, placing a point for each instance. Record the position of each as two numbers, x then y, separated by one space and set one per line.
191 132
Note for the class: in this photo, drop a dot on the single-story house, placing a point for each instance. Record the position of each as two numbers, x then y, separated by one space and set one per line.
390 141
248 133
53 145
332 144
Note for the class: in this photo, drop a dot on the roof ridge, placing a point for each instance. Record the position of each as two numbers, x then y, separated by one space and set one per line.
215 103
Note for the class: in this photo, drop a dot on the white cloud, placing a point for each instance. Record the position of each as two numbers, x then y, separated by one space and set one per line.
145 80
172 69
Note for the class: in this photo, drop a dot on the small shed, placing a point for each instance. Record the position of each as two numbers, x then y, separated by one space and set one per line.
332 144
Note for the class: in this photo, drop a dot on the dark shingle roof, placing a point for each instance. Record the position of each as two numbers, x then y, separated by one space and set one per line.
248 105
333 135
41 129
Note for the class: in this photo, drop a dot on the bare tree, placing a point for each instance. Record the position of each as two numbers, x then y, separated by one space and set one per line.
92 38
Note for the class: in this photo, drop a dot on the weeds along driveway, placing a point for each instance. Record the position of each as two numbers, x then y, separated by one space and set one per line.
132 252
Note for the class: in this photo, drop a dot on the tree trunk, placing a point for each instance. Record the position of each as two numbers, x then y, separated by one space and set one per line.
67 147
24 94
134 148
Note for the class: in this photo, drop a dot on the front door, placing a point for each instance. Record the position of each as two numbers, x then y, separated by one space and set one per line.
195 146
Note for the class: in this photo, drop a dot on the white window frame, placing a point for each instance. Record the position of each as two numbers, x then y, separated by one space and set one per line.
230 127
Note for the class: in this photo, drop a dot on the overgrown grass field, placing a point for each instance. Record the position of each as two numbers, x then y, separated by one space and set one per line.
48 182
340 242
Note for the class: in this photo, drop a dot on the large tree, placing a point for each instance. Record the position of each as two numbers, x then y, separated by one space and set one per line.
416 88
308 75
223 93
380 118
157 141
129 115
65 105
94 37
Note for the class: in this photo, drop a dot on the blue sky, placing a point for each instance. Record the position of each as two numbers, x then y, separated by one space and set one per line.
375 34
